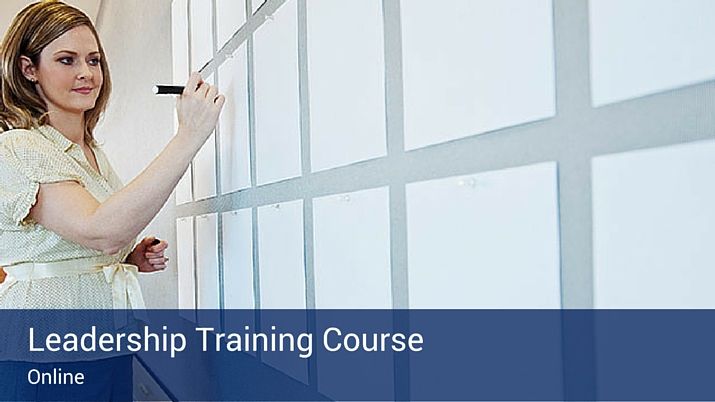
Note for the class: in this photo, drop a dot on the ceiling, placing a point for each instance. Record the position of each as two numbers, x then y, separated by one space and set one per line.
9 8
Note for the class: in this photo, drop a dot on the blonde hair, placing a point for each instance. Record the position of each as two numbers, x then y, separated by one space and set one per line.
35 27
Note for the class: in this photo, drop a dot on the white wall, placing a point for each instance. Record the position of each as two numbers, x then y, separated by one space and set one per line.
136 36
10 8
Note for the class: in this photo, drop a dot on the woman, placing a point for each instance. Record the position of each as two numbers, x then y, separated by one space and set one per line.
67 224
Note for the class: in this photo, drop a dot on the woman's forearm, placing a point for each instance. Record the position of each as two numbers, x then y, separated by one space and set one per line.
126 213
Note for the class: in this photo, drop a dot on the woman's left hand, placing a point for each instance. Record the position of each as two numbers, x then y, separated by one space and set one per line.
148 257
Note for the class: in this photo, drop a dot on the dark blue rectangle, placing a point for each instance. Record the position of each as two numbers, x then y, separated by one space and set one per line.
270 355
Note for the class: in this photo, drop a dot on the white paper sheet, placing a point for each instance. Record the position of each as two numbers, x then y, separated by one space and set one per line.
653 231
276 96
282 272
183 190
233 122
180 40
238 260
472 66
207 261
640 47
204 163
280 253
352 250
201 19
185 262
230 16
346 82
180 54
205 170
489 240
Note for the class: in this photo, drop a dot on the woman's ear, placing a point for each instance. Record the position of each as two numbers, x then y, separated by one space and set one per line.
28 69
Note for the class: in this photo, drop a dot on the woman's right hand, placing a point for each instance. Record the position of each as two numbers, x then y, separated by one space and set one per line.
198 109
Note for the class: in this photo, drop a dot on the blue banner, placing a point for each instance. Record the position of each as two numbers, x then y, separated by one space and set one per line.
368 355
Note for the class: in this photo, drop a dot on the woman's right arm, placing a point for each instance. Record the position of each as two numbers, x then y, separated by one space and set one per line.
67 209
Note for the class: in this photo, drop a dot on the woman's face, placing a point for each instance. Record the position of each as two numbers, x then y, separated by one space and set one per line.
69 74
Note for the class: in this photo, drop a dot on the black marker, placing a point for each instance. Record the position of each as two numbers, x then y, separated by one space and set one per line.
168 89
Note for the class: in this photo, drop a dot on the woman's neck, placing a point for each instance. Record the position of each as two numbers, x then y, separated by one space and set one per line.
70 125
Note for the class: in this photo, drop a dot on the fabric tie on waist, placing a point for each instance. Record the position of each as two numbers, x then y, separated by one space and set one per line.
122 277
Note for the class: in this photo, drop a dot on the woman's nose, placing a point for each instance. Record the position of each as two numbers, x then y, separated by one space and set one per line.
85 72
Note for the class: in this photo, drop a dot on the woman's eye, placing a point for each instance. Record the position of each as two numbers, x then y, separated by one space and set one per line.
66 60
94 62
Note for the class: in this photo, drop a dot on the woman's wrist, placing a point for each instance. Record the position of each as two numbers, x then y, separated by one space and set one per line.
189 137
184 146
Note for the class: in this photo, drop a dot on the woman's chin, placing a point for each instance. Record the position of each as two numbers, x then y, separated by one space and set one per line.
72 110
81 108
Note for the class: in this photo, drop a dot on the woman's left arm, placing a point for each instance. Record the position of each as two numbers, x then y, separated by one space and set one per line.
148 255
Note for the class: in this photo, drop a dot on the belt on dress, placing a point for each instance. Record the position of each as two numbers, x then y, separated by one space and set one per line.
122 277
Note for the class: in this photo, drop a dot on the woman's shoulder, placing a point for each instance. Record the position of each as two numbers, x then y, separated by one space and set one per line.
24 142
29 152
18 134
22 136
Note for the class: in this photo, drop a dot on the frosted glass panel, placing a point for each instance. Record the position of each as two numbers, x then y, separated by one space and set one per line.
459 82
201 37
207 261
238 260
347 115
280 248
185 262
653 231
230 16
277 106
489 240
180 40
352 250
640 47
235 159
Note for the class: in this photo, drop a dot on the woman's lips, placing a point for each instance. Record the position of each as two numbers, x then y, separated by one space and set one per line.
83 91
